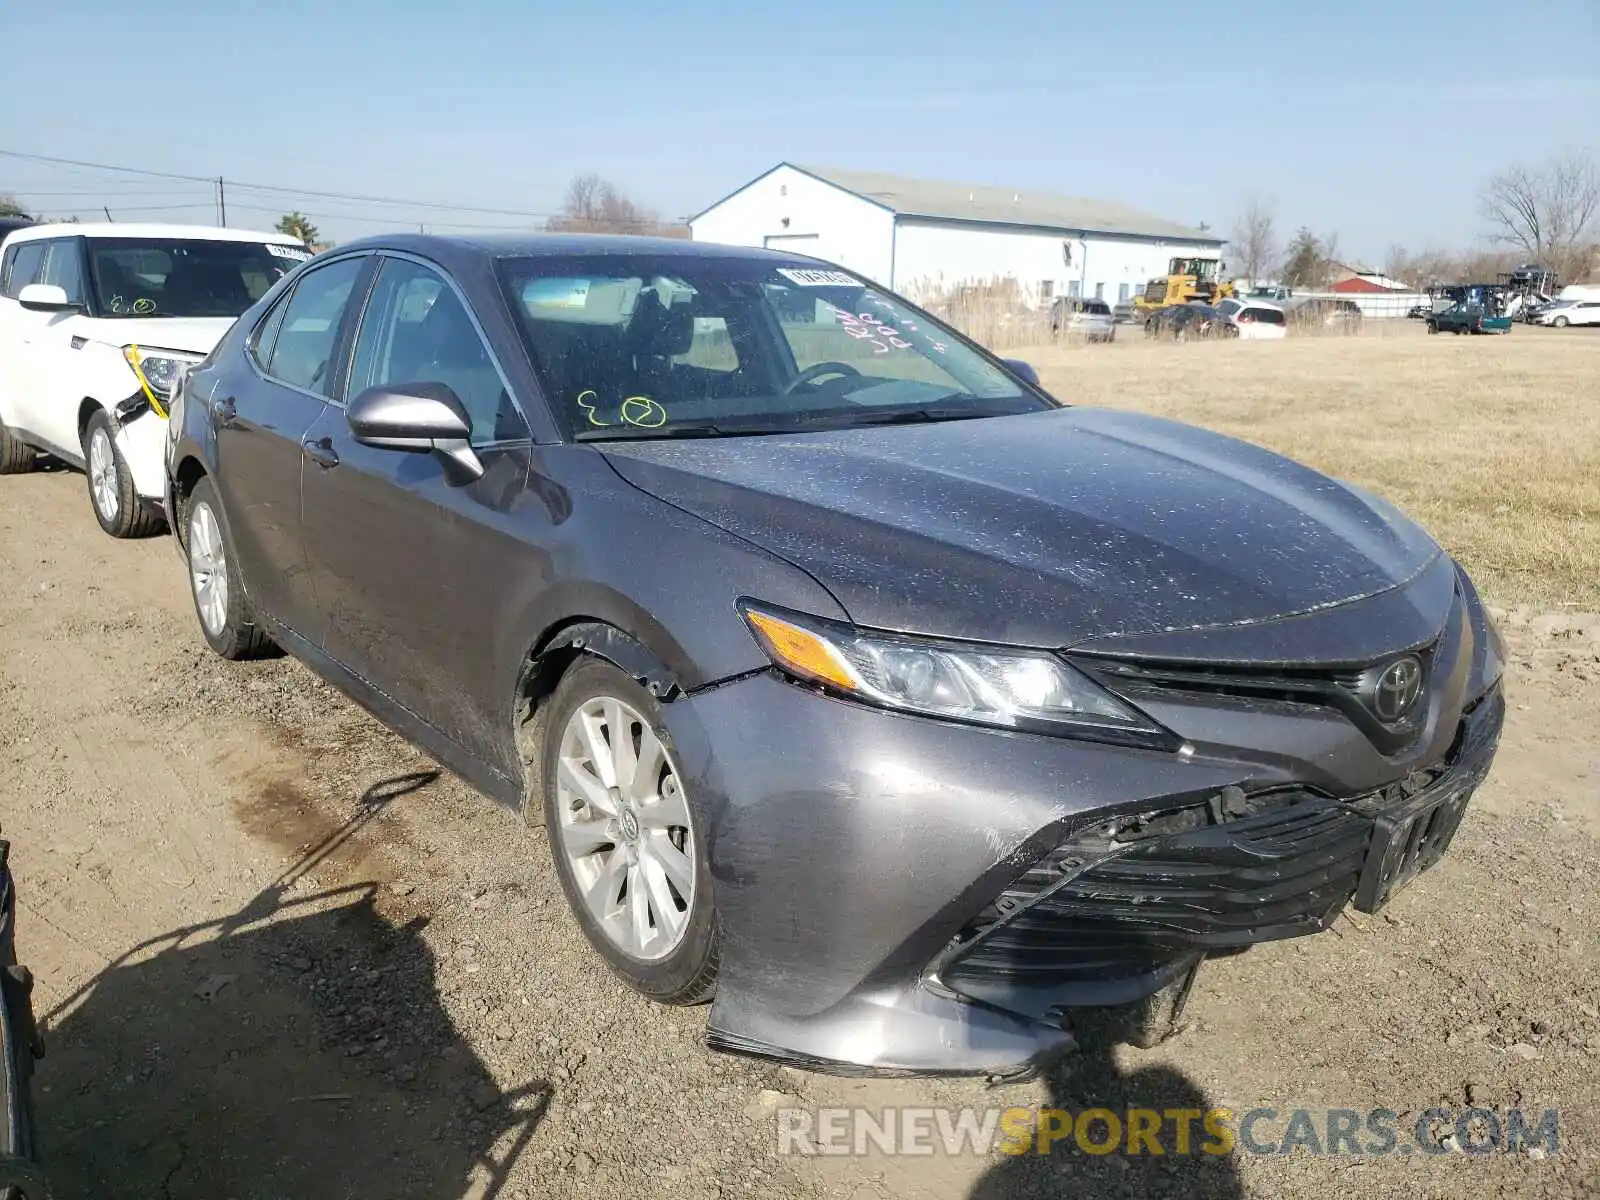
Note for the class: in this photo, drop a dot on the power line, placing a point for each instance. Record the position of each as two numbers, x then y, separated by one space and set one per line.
213 181
73 162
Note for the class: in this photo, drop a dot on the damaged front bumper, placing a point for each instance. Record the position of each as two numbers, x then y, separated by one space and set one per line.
899 895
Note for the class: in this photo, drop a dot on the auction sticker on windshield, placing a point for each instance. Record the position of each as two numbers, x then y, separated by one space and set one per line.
810 278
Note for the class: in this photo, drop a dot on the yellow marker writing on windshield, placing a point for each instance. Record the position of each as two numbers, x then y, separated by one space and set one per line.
643 411
588 407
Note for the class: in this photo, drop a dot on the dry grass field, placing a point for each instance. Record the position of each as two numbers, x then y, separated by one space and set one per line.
1492 443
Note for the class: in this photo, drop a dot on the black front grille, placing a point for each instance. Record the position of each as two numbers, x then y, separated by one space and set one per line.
1099 908
1339 688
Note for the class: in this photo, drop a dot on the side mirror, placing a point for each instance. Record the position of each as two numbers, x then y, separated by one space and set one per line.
46 297
423 418
1022 370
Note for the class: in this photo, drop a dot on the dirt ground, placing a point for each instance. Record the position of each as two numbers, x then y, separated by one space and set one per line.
281 954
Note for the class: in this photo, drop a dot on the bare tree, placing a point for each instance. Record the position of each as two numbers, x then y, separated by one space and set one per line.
1327 258
9 206
596 205
1548 211
1255 239
1424 269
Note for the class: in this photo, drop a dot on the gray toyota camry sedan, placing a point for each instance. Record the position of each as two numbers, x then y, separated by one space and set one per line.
921 718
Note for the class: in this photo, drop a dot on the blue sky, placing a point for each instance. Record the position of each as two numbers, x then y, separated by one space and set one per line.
1375 120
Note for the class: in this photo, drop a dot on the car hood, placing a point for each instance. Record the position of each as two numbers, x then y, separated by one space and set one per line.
196 335
1044 529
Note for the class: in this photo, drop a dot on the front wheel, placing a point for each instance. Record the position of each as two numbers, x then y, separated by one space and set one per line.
628 845
1561 322
1433 327
225 617
119 508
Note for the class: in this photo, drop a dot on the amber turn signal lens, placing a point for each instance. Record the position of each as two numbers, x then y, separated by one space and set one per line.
801 651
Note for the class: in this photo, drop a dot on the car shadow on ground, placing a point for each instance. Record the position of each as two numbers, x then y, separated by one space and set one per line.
295 1048
1092 1079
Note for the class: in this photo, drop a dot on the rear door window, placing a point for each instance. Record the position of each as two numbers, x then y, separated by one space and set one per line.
1264 316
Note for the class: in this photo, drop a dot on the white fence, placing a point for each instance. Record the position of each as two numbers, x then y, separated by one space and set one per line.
1374 305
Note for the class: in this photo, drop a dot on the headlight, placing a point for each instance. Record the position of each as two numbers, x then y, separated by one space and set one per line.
1010 689
159 372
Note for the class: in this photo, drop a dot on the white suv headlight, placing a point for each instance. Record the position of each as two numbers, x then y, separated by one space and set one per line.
159 372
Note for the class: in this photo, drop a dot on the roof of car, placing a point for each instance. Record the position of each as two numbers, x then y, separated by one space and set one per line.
535 245
132 229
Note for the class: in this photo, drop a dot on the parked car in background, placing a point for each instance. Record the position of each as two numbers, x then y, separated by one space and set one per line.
1419 312
1184 322
1324 313
1075 317
97 322
1571 312
11 222
1039 708
1256 320
1468 318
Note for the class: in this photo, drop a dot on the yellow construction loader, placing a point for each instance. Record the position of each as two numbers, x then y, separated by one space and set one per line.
1186 279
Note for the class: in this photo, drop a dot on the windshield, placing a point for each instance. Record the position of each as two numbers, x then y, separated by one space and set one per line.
178 277
633 346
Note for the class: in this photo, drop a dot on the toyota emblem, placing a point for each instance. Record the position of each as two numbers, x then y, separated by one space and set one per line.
1396 689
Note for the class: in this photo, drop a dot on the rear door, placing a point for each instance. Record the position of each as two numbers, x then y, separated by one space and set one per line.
414 574
262 415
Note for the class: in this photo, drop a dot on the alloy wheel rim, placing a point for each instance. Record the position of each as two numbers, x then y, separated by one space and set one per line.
208 568
103 474
625 828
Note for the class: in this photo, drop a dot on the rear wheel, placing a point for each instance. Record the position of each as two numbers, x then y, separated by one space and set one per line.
624 835
16 456
225 617
119 508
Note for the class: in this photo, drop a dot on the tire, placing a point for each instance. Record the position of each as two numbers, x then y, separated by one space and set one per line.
1433 327
226 620
16 456
119 508
1145 1024
1561 322
680 967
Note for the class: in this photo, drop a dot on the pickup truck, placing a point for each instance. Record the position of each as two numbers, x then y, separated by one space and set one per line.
1467 318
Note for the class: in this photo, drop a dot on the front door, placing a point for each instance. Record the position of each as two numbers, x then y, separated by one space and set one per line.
262 415
18 328
56 386
414 574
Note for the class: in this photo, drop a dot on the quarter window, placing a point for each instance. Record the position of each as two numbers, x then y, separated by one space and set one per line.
417 330
310 326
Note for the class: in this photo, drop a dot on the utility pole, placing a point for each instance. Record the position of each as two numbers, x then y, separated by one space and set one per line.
106 208
222 202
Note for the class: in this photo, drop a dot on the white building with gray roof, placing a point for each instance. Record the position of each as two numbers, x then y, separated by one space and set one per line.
918 235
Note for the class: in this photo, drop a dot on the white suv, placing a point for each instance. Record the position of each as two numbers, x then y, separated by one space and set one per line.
97 322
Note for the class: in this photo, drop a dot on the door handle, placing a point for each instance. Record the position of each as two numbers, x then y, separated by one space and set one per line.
226 410
321 452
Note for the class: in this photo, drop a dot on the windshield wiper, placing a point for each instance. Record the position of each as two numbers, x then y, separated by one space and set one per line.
909 416
635 433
